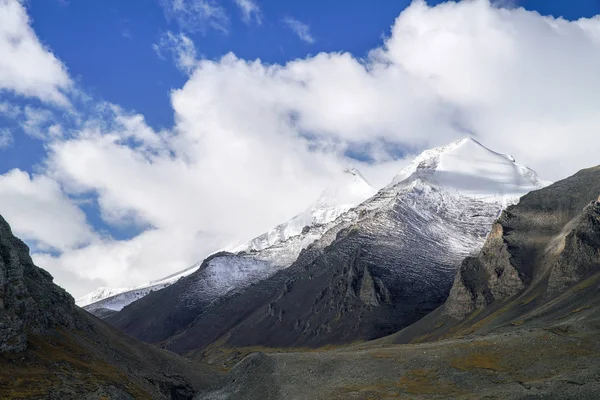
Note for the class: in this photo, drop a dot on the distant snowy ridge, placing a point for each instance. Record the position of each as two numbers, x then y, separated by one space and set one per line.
275 249
450 174
100 294
116 298
350 191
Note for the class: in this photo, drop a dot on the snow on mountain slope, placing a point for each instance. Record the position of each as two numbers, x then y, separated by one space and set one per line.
384 263
473 170
348 192
462 169
275 249
115 299
458 189
100 294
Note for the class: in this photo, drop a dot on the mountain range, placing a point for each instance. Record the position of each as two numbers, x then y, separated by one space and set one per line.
521 322
371 271
465 277
267 253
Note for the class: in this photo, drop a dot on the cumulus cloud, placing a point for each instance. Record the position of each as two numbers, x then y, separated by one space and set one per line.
196 15
39 211
27 68
523 83
250 10
182 49
40 123
255 143
152 254
301 29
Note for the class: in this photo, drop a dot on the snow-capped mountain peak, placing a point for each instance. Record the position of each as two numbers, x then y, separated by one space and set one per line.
438 185
471 169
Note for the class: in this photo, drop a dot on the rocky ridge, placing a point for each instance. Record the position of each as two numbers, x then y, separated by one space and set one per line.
51 349
375 269
522 321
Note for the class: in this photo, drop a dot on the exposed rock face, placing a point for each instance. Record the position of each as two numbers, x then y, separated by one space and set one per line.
29 301
581 254
481 280
52 349
551 237
386 267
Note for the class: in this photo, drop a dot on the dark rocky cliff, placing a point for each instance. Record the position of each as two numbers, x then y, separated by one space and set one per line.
29 301
51 349
551 240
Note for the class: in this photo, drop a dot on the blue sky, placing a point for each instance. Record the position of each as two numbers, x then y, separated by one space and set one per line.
111 94
107 45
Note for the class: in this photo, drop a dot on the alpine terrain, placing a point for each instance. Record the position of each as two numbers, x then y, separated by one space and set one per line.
51 349
521 322
373 270
264 255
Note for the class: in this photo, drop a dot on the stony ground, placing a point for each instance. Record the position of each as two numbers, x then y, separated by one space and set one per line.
551 351
523 364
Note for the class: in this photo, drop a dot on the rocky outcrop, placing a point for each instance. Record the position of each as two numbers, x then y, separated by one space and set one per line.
50 348
580 256
29 301
357 282
484 279
550 240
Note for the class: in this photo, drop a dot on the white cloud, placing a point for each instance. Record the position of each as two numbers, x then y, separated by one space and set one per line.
150 255
6 138
249 11
196 15
299 28
39 123
182 49
27 68
39 211
255 143
9 111
525 84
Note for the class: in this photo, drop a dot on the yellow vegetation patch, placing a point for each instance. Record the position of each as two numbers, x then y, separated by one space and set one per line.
52 360
424 381
413 382
489 361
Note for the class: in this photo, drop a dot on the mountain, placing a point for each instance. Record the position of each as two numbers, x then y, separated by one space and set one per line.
51 349
106 301
536 251
374 270
263 255
522 321
346 193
